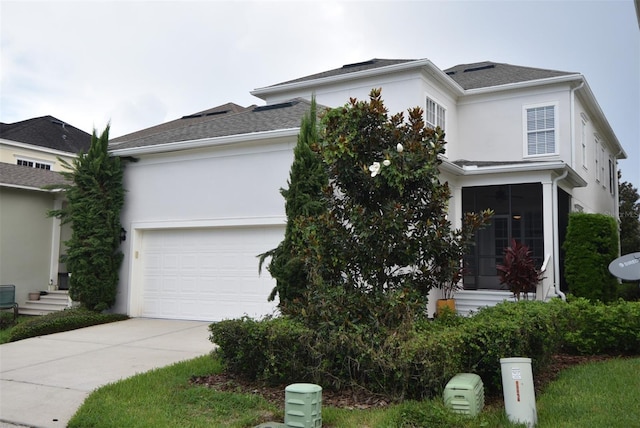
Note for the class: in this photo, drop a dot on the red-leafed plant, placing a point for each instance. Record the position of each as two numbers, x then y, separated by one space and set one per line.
518 270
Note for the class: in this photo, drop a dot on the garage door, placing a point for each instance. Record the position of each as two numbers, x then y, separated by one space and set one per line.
207 274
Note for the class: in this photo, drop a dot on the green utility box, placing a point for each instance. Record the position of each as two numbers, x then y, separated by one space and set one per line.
303 405
465 394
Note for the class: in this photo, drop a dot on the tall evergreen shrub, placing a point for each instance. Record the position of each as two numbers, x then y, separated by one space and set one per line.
95 196
303 199
590 245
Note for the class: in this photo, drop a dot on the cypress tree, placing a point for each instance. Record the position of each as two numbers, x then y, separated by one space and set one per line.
303 200
95 196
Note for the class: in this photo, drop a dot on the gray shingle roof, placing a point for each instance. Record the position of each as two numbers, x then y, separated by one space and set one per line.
17 175
190 119
349 68
257 119
47 131
486 74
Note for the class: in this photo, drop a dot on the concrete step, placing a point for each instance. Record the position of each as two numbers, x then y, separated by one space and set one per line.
53 301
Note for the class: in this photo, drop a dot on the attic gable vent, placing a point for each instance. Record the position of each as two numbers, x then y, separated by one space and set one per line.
358 64
484 67
275 106
213 113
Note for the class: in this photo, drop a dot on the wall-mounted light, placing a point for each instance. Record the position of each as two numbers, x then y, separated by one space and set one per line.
517 217
123 234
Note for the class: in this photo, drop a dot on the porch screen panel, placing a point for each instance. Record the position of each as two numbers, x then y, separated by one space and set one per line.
518 215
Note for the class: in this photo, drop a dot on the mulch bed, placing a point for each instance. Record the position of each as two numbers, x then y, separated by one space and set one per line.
361 399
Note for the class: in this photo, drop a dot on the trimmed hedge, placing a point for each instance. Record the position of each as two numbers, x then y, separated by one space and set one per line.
416 362
590 245
57 322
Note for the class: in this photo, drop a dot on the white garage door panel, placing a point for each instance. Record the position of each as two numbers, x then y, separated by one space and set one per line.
207 274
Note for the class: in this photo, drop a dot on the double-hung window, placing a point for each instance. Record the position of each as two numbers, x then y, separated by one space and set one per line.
434 114
541 130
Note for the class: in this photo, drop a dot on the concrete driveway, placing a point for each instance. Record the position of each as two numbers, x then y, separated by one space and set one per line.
44 380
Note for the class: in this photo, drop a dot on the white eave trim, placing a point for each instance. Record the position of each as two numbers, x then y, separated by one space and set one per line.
37 189
204 142
42 149
418 64
526 84
469 170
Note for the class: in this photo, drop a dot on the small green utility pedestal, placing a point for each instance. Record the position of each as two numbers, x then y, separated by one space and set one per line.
303 405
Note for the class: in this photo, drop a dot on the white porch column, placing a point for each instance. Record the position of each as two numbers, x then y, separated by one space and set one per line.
549 225
55 245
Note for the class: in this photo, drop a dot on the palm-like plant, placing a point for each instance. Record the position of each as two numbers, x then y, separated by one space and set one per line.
518 270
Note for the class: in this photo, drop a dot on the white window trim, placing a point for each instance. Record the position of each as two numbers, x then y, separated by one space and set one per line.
584 143
34 161
613 175
596 158
525 131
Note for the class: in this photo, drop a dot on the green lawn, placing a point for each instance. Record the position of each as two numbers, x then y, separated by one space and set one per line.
603 394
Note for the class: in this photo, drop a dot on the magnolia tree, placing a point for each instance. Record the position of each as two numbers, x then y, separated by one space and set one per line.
384 240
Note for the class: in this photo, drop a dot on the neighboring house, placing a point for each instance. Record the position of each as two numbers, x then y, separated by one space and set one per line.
30 241
203 199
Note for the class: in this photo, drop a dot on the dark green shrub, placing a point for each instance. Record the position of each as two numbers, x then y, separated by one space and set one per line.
522 329
598 328
274 349
590 245
57 322
6 320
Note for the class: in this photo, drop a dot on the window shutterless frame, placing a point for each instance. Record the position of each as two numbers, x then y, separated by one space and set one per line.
540 129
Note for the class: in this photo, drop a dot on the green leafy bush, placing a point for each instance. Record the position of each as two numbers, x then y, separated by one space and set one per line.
57 322
598 328
523 329
416 360
590 245
6 320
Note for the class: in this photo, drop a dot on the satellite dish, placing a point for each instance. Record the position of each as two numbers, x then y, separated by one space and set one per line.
626 267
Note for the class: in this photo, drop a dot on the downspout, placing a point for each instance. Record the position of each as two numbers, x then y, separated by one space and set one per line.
556 236
554 196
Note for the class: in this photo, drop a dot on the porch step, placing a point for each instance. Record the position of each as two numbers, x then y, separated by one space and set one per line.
468 301
53 301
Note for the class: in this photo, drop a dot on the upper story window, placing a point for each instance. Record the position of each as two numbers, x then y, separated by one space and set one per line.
34 164
541 130
434 114
597 159
612 180
583 141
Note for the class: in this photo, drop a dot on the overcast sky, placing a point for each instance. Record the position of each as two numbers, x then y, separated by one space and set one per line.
141 63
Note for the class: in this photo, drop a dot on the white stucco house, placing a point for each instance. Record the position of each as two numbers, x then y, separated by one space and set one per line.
30 242
203 197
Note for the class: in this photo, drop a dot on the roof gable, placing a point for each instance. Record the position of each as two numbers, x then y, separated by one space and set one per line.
49 132
487 74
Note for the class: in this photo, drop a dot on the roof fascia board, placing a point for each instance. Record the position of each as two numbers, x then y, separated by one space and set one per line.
37 189
424 64
526 84
37 148
205 142
559 166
